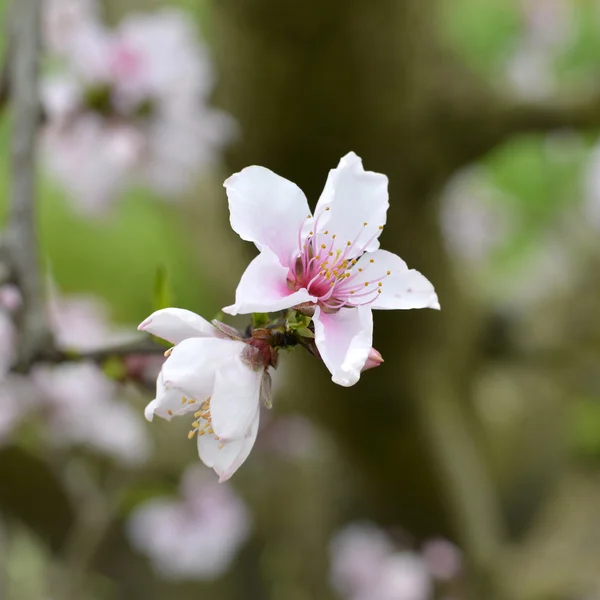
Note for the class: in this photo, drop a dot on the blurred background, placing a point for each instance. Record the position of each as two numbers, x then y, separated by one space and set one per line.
468 464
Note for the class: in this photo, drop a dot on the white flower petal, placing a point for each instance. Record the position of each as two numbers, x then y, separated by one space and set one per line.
227 458
235 399
168 402
344 341
267 209
192 365
263 288
403 288
177 324
354 197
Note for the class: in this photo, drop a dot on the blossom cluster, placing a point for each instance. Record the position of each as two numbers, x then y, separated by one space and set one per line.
314 283
194 536
77 404
367 565
126 106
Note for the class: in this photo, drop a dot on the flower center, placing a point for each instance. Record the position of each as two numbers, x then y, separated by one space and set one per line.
203 423
329 269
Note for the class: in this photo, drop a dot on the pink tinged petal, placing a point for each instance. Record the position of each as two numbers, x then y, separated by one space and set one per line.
354 197
403 288
168 402
267 209
263 288
235 399
193 364
344 341
177 324
227 458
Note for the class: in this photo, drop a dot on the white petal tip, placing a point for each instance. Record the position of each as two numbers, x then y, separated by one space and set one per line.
345 382
230 310
224 477
144 324
435 305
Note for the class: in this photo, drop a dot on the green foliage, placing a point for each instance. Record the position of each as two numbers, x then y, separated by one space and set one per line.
584 427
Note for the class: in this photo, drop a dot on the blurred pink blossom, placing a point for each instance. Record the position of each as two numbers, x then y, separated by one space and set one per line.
357 553
78 404
195 536
366 565
474 220
548 29
131 108
443 558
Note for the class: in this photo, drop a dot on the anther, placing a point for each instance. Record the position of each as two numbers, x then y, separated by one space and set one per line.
328 208
323 246
192 433
191 402
365 224
168 352
372 260
195 424
333 236
198 414
380 227
183 400
348 243
366 283
327 232
360 270
170 413
379 291
389 272
221 446
352 291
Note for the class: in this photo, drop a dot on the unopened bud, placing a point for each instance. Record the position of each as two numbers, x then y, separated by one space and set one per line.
374 360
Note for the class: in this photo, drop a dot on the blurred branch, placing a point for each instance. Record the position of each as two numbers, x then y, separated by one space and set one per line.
145 346
489 118
19 245
95 510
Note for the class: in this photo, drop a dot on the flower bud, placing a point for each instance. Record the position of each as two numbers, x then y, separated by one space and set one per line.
374 360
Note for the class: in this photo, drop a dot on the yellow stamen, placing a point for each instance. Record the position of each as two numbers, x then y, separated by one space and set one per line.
192 433
168 352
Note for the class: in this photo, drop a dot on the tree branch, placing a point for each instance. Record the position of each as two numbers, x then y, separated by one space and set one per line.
20 249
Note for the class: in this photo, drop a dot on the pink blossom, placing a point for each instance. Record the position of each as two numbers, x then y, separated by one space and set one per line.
80 406
474 217
213 376
195 536
131 108
329 263
366 566
549 27
443 558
